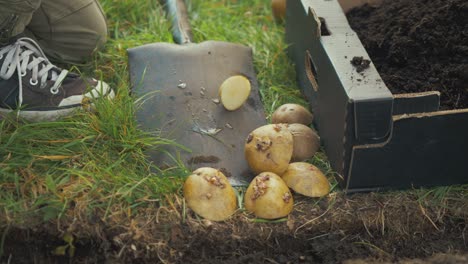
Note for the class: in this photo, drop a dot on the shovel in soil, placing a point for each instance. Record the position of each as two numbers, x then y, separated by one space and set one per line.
179 86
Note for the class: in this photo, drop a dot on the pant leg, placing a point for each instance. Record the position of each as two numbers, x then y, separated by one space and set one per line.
15 15
69 30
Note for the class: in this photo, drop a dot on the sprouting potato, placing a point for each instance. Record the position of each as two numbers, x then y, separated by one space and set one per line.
234 91
268 196
292 114
306 179
306 141
209 194
269 148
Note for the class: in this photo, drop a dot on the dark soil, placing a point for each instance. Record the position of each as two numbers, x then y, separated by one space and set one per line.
363 228
418 45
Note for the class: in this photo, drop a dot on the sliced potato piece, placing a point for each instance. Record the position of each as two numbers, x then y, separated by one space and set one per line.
209 194
268 196
234 91
269 148
291 114
306 141
306 179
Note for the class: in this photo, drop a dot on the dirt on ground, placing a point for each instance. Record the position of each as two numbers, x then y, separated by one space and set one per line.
418 45
360 228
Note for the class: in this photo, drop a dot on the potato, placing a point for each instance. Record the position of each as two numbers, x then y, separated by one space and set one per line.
268 196
291 114
209 194
279 9
234 91
306 141
269 148
306 179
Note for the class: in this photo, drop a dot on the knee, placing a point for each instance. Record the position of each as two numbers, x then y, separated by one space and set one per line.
80 46
84 39
96 30
72 37
99 35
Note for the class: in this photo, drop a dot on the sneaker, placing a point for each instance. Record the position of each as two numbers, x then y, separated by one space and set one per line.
39 90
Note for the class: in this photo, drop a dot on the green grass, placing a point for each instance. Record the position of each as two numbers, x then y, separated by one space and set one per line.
90 161
96 161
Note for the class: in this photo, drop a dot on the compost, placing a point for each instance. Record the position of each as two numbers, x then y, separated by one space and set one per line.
418 45
350 229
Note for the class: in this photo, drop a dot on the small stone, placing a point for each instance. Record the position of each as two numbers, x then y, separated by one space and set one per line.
216 100
207 223
182 85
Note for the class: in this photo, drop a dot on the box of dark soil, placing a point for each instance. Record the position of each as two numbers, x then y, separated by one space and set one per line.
388 84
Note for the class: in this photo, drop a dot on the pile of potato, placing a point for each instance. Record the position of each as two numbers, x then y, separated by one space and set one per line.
276 154
271 148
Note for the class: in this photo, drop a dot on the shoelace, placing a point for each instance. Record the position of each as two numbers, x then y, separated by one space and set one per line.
18 57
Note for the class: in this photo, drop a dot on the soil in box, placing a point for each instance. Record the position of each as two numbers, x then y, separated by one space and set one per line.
418 45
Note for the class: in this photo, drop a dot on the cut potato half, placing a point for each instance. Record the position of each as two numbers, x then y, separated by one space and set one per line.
268 197
209 194
234 91
306 179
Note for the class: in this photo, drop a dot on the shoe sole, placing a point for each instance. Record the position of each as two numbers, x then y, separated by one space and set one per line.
55 114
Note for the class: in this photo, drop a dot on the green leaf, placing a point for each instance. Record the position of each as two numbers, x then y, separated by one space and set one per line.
68 238
261 220
50 183
60 251
71 251
50 212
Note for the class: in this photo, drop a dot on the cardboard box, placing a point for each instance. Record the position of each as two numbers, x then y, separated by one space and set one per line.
375 140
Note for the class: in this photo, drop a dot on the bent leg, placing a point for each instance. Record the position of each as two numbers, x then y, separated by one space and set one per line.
69 31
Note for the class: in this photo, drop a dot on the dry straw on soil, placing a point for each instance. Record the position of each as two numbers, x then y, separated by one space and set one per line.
379 227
